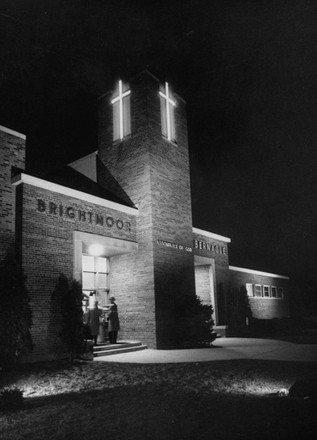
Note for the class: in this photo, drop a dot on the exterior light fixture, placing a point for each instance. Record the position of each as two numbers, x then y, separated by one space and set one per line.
95 250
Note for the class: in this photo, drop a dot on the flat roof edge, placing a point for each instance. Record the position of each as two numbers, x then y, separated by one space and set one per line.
12 132
212 235
258 272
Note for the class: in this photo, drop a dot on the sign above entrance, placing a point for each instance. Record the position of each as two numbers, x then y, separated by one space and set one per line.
84 216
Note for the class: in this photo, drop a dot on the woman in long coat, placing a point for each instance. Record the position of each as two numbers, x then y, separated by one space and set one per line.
113 321
93 321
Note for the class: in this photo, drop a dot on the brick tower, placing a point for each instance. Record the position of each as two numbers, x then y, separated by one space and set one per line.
143 143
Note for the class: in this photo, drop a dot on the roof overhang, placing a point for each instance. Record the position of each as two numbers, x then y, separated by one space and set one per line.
60 189
212 235
258 272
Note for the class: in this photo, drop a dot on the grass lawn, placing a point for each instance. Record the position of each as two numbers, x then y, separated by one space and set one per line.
208 400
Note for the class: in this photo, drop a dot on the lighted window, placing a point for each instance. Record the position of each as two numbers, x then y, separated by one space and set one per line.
257 290
95 273
168 105
249 288
280 292
266 291
273 291
88 263
121 111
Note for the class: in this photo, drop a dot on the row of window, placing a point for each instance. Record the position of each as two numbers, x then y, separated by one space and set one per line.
264 291
122 109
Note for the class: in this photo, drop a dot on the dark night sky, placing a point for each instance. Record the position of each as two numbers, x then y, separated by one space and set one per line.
248 71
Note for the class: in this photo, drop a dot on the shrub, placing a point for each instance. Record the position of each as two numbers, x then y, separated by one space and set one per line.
72 332
11 398
193 322
239 311
16 315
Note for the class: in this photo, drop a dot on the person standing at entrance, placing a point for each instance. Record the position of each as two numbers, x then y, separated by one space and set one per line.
113 320
93 321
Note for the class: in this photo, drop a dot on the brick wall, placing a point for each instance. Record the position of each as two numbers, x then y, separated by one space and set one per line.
155 175
47 248
264 307
12 154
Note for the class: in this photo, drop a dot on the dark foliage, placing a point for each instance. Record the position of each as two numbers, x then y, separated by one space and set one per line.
193 322
16 315
72 332
11 399
239 311
303 303
272 327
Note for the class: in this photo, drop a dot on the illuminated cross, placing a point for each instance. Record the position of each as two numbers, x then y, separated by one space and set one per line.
168 102
119 99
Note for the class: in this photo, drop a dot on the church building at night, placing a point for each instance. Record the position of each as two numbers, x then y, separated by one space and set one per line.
119 220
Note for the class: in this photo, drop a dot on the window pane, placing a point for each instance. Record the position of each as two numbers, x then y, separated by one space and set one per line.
88 263
258 290
280 292
102 265
88 281
249 288
273 290
266 291
103 281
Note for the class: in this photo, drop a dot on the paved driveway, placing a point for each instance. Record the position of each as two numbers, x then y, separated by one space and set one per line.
224 349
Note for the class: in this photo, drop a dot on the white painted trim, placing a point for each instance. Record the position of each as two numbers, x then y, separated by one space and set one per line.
13 132
44 184
269 291
212 235
258 272
119 245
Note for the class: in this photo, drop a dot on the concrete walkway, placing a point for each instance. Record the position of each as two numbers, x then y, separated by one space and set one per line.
223 349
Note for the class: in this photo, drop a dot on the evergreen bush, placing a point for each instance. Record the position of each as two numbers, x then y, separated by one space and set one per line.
193 322
11 398
15 311
239 313
72 332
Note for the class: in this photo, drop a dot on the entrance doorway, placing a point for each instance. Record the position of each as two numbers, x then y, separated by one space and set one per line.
92 266
95 278
92 262
205 282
